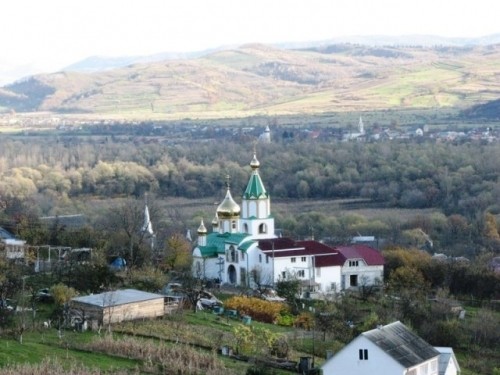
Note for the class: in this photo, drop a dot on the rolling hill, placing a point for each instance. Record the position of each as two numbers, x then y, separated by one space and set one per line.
261 79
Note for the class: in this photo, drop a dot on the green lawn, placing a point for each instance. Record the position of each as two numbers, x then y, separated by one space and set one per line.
39 346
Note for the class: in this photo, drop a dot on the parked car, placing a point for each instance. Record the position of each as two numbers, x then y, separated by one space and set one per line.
208 300
44 295
173 292
7 304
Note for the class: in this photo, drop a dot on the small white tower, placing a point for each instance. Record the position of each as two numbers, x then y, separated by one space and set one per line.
361 126
202 234
266 136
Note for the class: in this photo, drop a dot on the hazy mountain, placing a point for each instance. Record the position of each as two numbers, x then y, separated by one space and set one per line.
99 63
398 41
256 79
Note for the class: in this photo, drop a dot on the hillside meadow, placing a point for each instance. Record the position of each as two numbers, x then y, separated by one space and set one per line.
255 79
190 343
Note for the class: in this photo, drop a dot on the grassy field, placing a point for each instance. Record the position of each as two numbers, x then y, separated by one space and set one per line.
195 335
193 339
40 346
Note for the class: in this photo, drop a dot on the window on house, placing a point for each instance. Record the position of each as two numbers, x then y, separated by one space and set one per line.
303 259
283 275
243 276
292 259
301 273
260 258
363 354
198 269
424 370
434 366
353 280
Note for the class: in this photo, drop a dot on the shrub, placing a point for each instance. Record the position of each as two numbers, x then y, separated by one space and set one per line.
258 309
304 320
285 320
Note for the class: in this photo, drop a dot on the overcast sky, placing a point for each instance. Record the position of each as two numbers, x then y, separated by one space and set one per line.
47 35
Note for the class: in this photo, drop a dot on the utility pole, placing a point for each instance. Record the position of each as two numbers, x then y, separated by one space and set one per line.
273 262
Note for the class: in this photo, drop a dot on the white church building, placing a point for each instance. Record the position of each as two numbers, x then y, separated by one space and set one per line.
242 249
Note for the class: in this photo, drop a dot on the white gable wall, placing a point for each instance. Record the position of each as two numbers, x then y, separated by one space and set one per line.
208 268
347 361
260 262
297 266
329 278
451 369
366 275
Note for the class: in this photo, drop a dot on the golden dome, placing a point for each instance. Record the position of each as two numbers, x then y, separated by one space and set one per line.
228 209
201 229
254 163
215 221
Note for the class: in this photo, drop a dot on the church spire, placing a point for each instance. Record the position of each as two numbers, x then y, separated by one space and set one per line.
256 205
255 188
147 227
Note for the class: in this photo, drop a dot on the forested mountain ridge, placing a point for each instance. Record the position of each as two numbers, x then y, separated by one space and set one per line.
256 79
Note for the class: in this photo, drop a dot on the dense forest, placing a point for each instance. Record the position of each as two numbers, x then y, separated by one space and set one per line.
456 183
457 178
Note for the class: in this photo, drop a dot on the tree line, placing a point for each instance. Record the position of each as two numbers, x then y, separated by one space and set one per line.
457 178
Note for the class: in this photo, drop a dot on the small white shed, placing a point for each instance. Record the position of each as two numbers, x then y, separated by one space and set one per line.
117 306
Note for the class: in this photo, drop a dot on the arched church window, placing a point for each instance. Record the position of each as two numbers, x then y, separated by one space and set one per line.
262 228
245 228
233 257
233 224
198 270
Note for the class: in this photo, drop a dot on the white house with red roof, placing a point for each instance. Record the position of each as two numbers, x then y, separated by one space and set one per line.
243 249
322 268
363 266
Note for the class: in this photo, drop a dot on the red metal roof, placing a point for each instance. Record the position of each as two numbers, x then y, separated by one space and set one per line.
371 256
324 255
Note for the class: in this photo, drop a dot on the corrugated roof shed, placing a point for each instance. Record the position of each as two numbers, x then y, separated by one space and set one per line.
401 344
117 297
